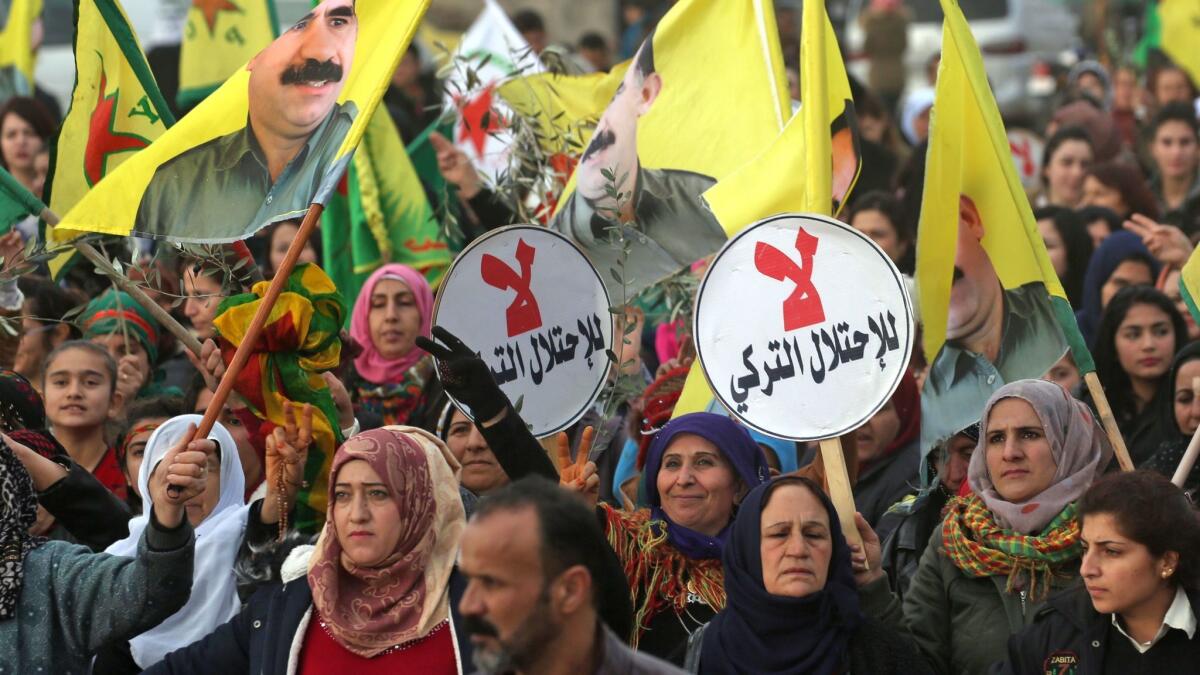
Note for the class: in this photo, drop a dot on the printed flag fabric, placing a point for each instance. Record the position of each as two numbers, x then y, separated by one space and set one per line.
565 108
671 132
993 309
16 47
818 151
380 214
1189 285
271 141
220 36
490 51
299 342
16 202
1180 22
116 110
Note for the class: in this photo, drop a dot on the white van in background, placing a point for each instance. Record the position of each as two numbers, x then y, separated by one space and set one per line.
1012 34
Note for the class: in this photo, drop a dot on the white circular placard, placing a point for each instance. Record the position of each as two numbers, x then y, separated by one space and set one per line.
535 309
803 327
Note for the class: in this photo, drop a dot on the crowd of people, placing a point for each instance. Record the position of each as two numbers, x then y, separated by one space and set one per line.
634 542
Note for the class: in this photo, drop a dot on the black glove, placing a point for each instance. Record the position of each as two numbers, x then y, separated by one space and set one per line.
464 375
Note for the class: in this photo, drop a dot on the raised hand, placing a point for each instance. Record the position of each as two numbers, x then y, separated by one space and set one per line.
183 470
579 475
287 452
1166 242
341 400
465 376
130 378
867 560
455 166
209 363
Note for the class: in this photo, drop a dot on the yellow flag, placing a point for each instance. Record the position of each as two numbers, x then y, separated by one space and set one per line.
821 135
16 48
218 38
565 108
272 140
673 128
993 309
1180 20
116 110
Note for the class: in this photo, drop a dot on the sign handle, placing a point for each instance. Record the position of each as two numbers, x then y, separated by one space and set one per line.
838 481
1109 422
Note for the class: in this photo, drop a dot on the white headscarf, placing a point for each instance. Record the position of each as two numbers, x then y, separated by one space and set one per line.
917 102
214 598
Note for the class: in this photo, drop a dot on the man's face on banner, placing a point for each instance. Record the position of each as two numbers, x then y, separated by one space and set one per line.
614 144
296 80
976 285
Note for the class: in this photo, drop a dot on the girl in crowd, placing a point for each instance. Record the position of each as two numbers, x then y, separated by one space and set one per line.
378 590
791 594
1177 416
1068 245
1139 334
1120 188
41 328
1065 162
888 452
25 130
110 321
1136 609
219 519
141 419
1100 223
278 236
1168 283
80 389
879 216
394 307
1122 260
60 603
1001 549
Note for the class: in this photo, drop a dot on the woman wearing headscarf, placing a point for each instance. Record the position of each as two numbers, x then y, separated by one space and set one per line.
59 602
1001 549
131 335
219 518
1121 260
1177 415
792 602
889 453
394 307
378 592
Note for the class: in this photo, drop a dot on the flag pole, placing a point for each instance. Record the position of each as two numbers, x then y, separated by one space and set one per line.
1193 450
1108 421
139 296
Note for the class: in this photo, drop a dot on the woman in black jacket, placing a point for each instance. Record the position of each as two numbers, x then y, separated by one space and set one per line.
1135 611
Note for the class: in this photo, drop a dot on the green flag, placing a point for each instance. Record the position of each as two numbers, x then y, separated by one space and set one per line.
15 202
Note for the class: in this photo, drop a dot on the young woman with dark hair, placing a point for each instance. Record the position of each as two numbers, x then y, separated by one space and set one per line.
1121 188
1136 608
1068 245
1065 162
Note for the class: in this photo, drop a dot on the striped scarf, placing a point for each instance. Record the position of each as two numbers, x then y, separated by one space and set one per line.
979 547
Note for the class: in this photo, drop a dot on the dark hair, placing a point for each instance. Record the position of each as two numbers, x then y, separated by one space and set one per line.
570 535
1152 511
887 204
593 40
1129 182
528 20
49 301
796 481
34 113
1058 139
1154 73
264 263
1173 112
1090 214
110 364
192 393
1073 232
1108 366
645 56
153 406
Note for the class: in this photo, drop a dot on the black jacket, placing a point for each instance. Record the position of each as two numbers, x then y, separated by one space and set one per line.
1069 636
259 639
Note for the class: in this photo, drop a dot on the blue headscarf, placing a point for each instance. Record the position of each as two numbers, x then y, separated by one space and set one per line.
759 632
1117 248
736 446
785 450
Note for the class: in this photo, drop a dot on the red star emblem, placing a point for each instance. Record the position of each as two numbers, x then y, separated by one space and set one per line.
479 120
102 140
210 9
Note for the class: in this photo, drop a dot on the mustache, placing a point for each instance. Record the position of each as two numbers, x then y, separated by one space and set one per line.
600 141
312 70
475 625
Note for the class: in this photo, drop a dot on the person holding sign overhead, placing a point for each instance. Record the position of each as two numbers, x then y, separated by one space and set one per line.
1001 550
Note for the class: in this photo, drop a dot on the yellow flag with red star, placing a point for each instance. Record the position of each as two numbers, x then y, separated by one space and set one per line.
220 36
17 19
116 109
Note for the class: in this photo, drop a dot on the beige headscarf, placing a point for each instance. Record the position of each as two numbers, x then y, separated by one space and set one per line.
368 610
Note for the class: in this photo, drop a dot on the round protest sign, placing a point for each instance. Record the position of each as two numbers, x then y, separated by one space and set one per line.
536 310
803 327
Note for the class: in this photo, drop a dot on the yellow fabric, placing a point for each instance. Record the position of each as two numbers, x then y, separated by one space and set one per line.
16 40
216 42
385 28
1181 33
565 107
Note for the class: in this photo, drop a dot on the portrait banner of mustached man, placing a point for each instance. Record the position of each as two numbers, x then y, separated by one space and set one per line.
272 140
672 130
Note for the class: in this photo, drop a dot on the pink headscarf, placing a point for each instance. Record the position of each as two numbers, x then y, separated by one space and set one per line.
370 364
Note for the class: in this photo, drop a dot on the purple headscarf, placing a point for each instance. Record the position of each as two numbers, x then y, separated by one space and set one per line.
735 445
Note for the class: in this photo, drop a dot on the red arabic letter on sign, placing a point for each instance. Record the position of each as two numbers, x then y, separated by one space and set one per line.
803 307
522 314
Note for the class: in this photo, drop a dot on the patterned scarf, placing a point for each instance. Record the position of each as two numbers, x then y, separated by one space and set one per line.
980 547
18 508
20 405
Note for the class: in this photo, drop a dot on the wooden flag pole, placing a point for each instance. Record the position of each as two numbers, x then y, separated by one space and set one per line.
1193 450
840 492
139 296
1108 421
